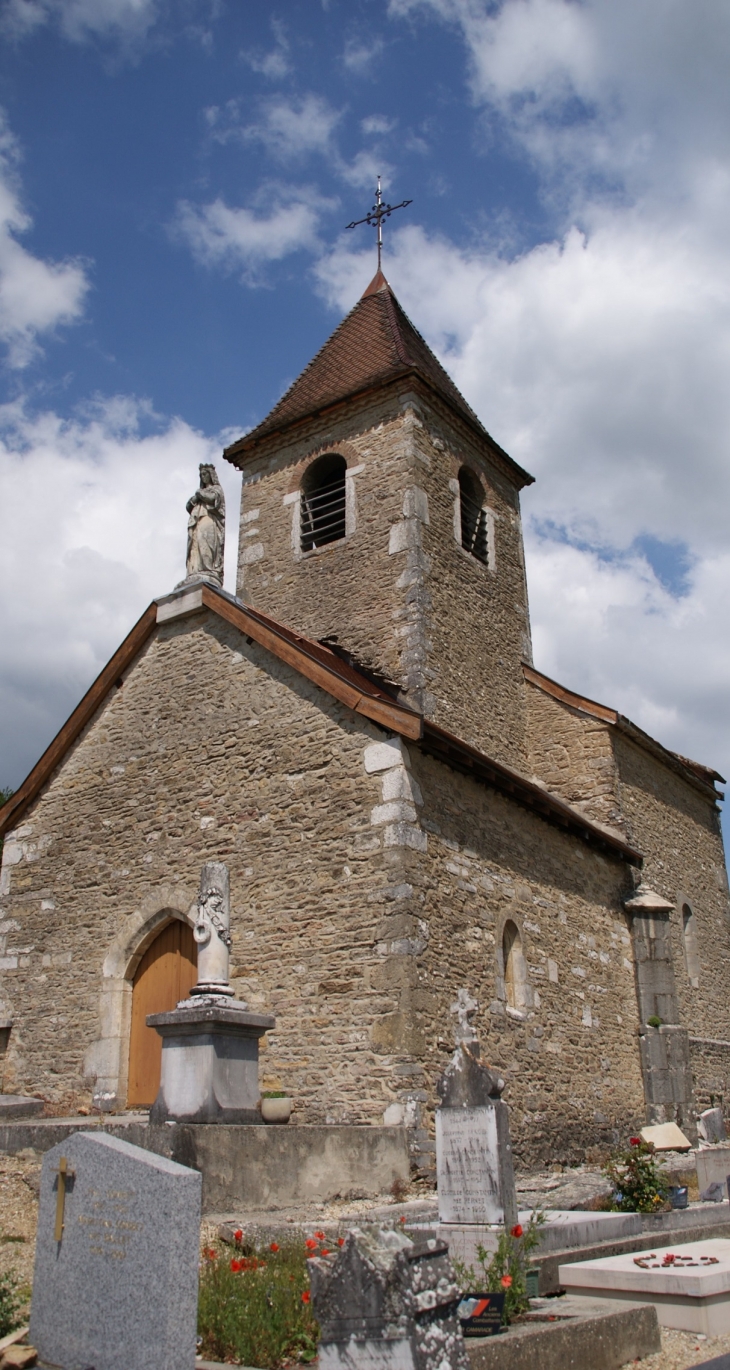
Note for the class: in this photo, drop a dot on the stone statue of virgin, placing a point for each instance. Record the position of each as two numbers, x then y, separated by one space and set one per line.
206 529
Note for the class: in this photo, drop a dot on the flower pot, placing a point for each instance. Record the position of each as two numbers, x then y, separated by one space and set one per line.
276 1110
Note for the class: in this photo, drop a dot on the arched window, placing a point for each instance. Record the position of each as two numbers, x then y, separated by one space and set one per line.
691 954
473 516
515 968
323 503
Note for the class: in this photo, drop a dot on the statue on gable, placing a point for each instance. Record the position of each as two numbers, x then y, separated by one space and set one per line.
206 528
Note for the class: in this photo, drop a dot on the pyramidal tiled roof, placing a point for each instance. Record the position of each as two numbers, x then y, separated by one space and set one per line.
375 343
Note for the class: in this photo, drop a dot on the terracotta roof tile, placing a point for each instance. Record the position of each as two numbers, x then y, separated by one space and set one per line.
375 343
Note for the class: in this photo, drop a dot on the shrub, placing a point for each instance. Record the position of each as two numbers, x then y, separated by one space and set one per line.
506 1268
634 1176
254 1309
11 1301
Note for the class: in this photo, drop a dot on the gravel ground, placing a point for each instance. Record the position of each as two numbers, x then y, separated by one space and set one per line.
680 1350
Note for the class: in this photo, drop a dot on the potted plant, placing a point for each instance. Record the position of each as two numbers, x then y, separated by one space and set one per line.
276 1106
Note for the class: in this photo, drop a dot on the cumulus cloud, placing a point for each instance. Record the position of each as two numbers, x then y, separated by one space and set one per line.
36 296
360 54
275 63
236 236
101 501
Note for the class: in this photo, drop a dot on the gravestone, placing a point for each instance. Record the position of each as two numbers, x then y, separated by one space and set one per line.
711 1125
384 1301
474 1167
116 1267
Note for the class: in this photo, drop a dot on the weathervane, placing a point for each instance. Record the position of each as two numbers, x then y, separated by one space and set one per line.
379 212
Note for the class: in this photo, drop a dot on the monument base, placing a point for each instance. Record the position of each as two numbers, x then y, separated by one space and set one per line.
210 1062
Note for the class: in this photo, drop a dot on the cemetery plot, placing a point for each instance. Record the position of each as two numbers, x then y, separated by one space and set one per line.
689 1285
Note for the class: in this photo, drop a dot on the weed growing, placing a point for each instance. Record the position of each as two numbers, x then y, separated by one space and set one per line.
504 1269
253 1308
637 1183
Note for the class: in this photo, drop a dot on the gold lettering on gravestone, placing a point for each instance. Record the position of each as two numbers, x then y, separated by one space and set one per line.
108 1224
64 1174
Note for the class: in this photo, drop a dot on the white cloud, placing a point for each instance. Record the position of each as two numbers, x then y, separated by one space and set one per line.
100 530
221 235
360 54
36 296
290 128
82 19
275 63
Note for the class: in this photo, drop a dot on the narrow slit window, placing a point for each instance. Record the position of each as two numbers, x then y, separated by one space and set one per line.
474 533
515 968
691 954
323 503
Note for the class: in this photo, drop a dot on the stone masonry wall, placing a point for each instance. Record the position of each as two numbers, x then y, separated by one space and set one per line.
399 592
678 830
572 753
710 1060
367 887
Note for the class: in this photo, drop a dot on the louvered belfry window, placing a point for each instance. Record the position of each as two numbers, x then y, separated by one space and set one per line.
323 503
473 516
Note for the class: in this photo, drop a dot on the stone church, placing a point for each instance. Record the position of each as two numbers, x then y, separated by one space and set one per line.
407 807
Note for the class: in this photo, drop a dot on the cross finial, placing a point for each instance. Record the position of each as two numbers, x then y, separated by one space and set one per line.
376 215
464 1008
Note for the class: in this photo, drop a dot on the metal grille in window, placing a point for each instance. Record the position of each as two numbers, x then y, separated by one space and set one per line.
473 520
323 504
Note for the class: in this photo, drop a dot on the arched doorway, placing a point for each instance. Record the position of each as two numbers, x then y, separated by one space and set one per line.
166 973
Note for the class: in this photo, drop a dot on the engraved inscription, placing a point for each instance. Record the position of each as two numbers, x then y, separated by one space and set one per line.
468 1168
107 1222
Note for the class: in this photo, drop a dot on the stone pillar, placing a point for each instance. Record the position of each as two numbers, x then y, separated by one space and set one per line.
212 931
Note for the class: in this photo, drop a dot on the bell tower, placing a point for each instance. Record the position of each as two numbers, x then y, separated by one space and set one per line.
380 517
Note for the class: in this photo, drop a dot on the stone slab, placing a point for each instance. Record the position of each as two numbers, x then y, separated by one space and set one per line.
210 1063
549 1265
595 1337
119 1290
471 1187
563 1230
666 1137
19 1106
695 1298
713 1165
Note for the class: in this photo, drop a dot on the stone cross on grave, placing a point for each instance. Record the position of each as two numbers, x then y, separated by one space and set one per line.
464 1008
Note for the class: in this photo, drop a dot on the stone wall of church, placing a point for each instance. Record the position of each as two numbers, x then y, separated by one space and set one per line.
678 830
570 1053
393 590
572 754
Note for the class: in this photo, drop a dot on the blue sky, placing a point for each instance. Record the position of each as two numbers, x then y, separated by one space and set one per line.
174 186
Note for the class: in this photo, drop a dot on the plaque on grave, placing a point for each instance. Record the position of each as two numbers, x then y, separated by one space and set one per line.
480 1315
116 1267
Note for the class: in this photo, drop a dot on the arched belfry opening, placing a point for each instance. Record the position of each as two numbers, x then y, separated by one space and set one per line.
474 534
515 968
323 503
165 974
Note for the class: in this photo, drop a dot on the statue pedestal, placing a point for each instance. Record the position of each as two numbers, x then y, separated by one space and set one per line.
210 1062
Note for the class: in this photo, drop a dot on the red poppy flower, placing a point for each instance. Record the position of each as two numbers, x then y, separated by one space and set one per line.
274 1246
236 1266
238 1235
340 1241
506 1281
324 1251
310 1245
516 1231
634 1141
306 1296
402 1218
320 1235
210 1254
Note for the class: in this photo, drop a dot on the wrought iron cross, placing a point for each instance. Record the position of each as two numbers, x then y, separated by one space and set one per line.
379 212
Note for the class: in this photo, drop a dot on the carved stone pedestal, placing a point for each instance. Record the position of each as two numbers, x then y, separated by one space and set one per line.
210 1062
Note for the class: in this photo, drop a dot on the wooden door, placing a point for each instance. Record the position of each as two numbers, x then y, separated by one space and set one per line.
165 974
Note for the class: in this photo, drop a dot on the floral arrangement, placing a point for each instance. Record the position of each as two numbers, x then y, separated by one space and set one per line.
634 1175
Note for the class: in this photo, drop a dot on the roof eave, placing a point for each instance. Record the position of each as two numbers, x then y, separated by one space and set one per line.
246 446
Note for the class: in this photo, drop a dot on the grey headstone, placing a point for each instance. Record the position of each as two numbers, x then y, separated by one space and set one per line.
474 1168
119 1290
385 1303
711 1125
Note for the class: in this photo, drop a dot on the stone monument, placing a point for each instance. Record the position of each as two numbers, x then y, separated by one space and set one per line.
385 1301
116 1265
473 1151
210 1042
206 530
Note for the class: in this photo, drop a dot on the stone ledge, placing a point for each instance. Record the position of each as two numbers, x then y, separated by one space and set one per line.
603 1341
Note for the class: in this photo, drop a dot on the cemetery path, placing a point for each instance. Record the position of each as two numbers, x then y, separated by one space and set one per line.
681 1350
19 1185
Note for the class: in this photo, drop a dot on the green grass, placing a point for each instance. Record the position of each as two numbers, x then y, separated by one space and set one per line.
250 1307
